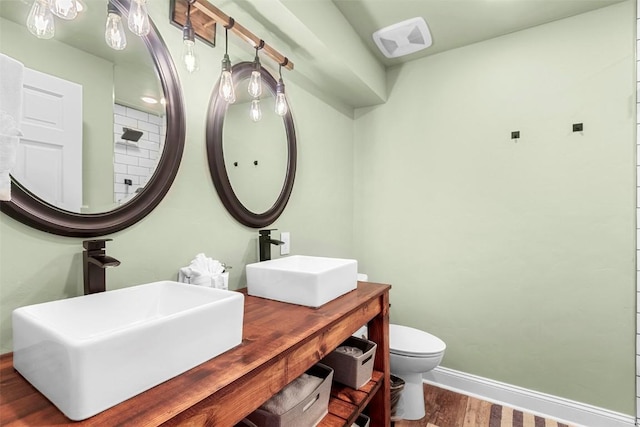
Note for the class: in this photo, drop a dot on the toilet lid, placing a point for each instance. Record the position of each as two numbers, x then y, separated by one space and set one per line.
407 341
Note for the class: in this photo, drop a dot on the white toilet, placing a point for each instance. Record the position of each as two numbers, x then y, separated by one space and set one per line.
412 353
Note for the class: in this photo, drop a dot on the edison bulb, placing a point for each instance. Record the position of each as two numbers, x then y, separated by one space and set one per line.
227 92
139 18
254 111
255 84
281 100
65 9
190 57
281 104
40 20
114 32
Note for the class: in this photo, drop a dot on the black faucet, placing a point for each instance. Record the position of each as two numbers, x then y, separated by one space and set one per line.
265 242
95 261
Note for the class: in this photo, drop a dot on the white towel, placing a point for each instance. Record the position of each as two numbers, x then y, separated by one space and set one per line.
8 150
11 81
291 395
204 271
349 351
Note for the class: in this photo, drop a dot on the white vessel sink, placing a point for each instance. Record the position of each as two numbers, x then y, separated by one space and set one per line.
92 352
303 280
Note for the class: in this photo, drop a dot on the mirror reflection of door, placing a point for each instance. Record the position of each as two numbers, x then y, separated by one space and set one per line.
78 53
49 157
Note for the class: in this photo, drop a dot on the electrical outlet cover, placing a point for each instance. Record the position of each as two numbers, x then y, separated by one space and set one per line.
286 238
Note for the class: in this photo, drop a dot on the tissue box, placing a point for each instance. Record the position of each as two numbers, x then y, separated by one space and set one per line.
362 421
309 412
349 370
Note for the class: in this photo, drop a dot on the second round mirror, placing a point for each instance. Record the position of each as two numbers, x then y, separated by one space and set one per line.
252 162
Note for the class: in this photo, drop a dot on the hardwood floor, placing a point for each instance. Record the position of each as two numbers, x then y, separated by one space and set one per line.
445 408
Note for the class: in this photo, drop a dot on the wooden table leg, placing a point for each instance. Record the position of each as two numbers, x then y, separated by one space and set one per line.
380 406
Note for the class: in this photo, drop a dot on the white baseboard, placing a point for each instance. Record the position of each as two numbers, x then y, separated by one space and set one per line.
561 409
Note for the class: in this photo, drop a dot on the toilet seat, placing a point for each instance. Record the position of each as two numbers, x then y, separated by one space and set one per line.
406 341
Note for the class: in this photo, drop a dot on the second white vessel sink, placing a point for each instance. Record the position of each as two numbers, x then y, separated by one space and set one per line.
304 280
92 352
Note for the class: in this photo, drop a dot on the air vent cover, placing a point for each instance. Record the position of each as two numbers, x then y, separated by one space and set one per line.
403 38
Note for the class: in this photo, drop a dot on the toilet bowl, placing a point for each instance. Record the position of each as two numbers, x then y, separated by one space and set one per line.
412 353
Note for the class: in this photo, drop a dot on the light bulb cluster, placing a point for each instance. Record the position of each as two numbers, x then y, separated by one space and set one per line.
137 21
226 85
41 24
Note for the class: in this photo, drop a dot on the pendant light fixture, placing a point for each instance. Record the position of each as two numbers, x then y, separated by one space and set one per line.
114 32
65 9
227 90
255 81
189 54
40 20
139 18
281 100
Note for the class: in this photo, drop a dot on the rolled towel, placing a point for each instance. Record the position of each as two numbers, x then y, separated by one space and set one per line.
204 271
200 278
348 350
221 281
291 395
184 274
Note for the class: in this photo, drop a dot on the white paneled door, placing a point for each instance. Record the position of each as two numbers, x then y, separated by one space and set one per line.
49 158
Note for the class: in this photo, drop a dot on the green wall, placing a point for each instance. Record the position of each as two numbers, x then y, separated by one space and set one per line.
245 142
131 82
519 255
37 267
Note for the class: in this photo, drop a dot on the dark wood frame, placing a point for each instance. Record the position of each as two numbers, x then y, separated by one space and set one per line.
27 208
203 28
215 154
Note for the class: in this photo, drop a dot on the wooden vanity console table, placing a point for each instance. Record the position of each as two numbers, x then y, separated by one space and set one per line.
280 342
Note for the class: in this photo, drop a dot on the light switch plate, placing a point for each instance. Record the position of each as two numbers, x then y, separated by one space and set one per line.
286 238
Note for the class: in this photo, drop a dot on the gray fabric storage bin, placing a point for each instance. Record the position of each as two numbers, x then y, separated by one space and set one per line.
309 412
362 421
349 370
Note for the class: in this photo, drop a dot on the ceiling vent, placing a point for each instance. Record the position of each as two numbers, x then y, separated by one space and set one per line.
403 38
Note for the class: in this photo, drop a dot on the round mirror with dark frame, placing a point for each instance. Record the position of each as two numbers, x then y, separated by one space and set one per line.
252 162
28 206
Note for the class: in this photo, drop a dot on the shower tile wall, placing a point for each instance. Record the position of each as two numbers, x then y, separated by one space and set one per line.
135 161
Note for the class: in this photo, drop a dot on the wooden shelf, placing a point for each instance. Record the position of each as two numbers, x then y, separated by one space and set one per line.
346 403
